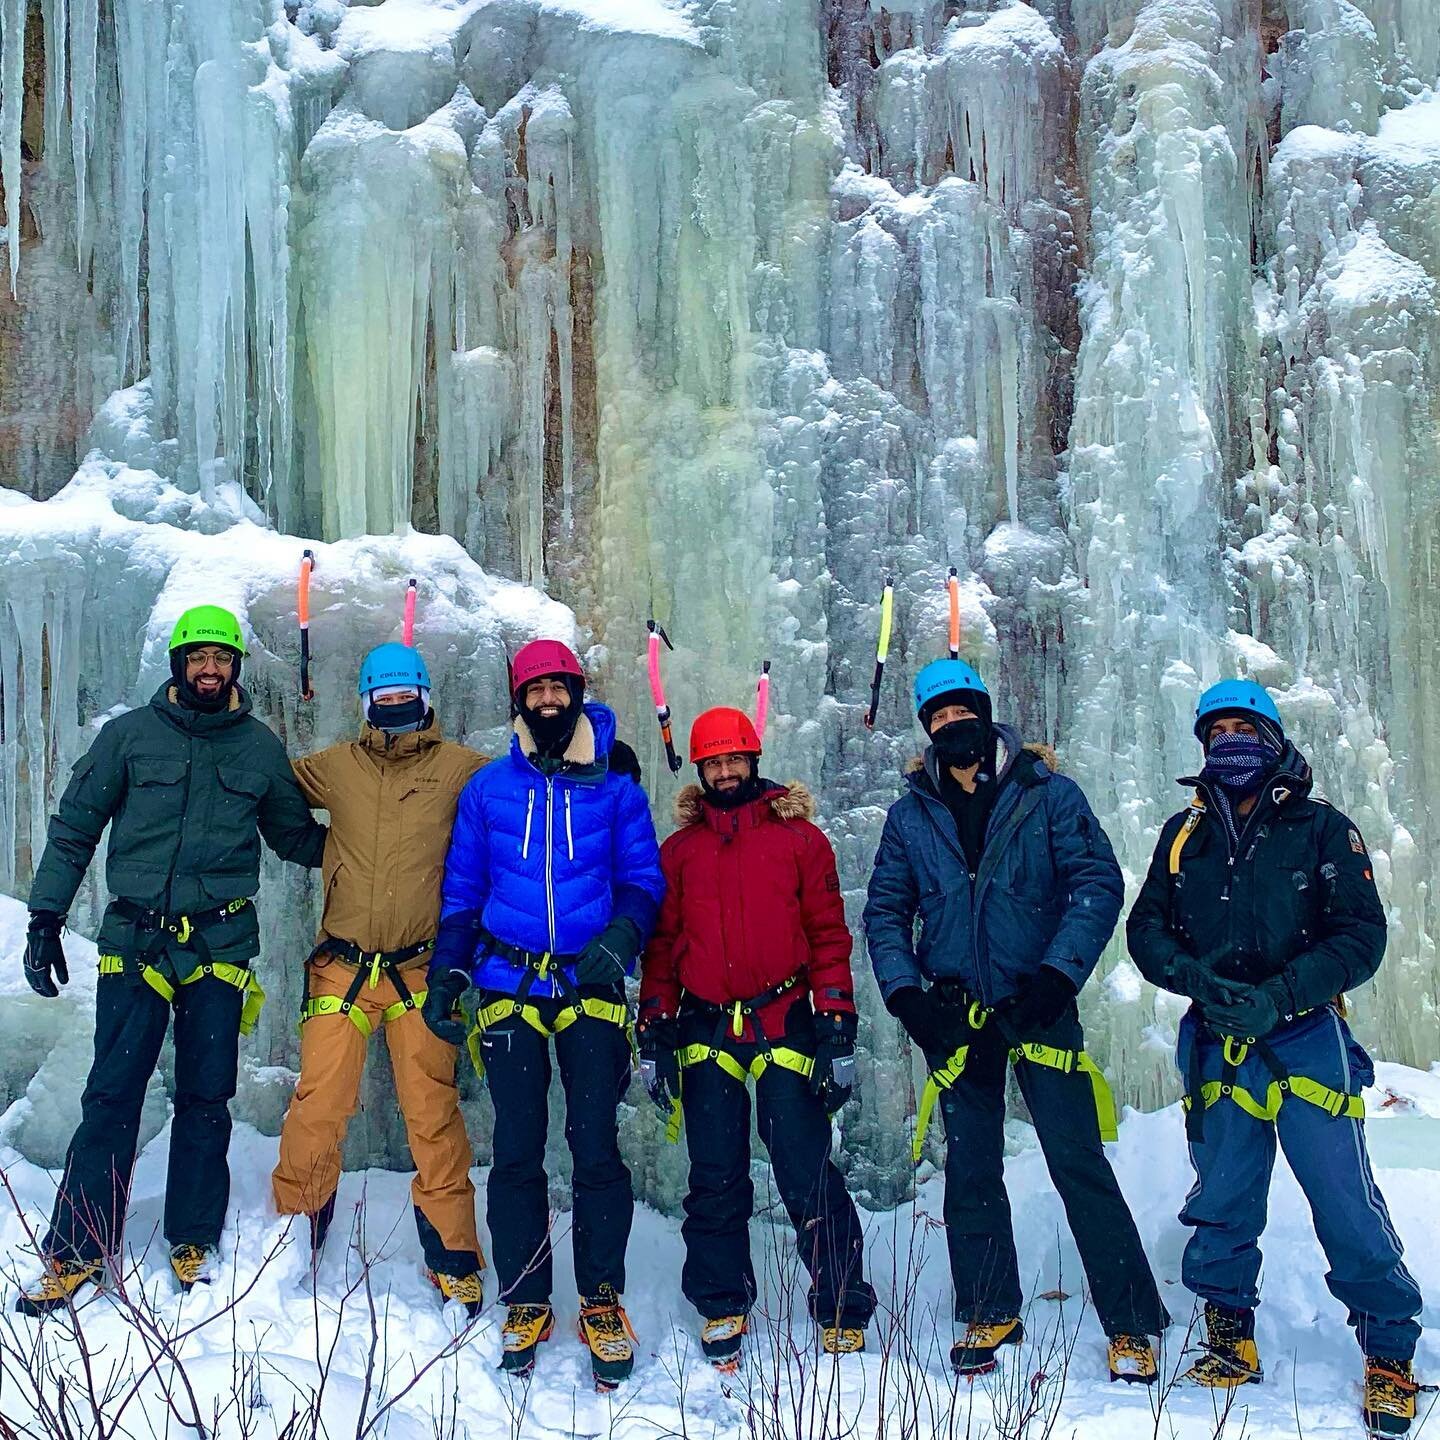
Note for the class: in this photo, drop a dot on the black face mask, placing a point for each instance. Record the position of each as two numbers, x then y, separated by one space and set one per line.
399 719
963 743
191 698
552 733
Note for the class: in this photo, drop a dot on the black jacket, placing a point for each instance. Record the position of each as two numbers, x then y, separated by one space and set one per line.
1297 899
188 797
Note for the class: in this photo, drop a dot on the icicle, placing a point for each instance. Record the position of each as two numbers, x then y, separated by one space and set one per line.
84 28
12 100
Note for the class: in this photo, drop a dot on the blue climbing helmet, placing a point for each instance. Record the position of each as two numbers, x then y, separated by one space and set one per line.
392 664
945 677
1239 697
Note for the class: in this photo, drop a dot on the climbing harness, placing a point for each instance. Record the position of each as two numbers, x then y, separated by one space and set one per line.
657 691
882 649
730 1021
368 963
1052 1057
184 931
302 610
540 965
762 700
1233 1054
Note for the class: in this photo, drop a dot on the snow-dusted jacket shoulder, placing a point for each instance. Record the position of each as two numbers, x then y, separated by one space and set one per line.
545 862
752 899
1048 890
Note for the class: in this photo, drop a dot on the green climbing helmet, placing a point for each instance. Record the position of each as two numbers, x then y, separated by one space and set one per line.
207 625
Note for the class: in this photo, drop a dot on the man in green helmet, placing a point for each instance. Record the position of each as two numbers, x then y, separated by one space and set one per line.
189 785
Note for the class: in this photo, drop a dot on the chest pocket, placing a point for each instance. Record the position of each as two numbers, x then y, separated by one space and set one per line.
241 791
155 791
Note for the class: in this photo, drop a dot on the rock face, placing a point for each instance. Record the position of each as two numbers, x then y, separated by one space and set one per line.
1125 309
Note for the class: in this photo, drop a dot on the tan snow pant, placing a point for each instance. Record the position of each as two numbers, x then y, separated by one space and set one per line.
332 1060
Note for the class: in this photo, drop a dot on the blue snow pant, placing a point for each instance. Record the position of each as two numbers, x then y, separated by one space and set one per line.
1234 1154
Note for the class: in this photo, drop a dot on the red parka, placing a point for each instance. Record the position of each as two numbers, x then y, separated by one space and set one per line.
752 897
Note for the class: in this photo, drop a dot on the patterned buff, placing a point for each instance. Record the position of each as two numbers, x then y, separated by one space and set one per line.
1236 766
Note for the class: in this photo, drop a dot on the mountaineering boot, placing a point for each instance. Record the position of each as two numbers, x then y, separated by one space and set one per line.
721 1340
526 1326
842 1339
57 1286
1230 1357
975 1354
1390 1391
319 1228
193 1265
605 1328
466 1290
1132 1359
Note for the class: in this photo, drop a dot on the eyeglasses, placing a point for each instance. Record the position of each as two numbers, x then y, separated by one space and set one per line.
202 659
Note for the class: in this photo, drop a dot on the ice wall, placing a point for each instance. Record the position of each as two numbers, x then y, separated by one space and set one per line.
722 312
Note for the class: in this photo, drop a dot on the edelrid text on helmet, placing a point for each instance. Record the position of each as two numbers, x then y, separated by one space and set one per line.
940 677
208 625
1230 697
543 657
393 664
722 731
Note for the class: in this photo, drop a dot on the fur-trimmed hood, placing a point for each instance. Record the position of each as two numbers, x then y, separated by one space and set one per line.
792 801
580 750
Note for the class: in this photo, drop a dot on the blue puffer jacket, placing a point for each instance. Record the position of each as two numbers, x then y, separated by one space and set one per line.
1048 890
545 863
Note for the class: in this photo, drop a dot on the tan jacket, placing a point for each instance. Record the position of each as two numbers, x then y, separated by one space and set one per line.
391 808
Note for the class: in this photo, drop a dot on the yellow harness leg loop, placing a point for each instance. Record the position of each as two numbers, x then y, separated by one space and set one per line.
935 1082
1065 1061
240 976
610 1010
1335 1103
698 1054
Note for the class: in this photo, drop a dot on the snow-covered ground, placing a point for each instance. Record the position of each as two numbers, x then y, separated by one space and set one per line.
370 1352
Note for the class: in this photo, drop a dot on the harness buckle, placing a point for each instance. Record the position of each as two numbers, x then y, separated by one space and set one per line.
737 1023
978 1015
375 970
543 970
181 931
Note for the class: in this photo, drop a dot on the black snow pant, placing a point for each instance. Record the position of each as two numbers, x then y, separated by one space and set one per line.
130 1024
977 1208
718 1278
594 1059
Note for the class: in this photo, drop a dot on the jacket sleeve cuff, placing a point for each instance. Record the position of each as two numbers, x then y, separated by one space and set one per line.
903 978
834 999
1076 971
632 903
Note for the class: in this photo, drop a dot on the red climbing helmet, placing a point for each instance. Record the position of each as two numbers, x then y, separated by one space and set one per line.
722 731
543 657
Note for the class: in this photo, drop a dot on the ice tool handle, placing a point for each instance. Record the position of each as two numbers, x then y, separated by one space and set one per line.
882 649
657 692
408 633
302 610
953 585
762 700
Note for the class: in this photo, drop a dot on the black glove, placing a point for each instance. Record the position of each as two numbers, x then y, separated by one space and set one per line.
44 956
938 1026
444 988
832 1081
1040 1004
1196 978
659 1044
606 960
1254 1014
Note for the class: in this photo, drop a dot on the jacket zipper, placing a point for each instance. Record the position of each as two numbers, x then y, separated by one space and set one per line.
169 900
569 834
550 856
529 811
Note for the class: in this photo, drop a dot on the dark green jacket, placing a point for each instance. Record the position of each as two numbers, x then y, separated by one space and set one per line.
188 797
1295 899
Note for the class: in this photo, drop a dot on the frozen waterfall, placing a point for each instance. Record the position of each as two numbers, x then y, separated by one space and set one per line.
721 311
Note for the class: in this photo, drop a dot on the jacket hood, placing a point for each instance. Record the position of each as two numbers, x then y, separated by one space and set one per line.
395 747
167 701
589 745
1029 763
786 802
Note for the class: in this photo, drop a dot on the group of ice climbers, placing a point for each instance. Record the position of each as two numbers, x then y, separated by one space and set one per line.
994 892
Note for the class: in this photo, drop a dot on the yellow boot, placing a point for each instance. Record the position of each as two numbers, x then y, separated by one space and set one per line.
605 1330
1230 1357
525 1328
976 1353
58 1286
